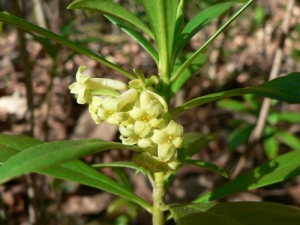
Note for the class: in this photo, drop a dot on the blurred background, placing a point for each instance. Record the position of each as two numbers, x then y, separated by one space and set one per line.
35 73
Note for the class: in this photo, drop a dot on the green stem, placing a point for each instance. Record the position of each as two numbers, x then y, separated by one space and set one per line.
188 62
158 199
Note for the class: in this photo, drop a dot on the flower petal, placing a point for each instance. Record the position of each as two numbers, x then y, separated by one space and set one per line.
174 129
166 152
141 128
159 137
137 113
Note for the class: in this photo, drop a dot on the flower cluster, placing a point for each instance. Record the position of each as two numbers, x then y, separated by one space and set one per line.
141 114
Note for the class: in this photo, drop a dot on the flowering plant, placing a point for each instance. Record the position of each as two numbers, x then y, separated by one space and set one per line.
142 111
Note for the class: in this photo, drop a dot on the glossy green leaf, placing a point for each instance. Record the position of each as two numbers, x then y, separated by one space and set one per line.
289 139
231 105
190 60
194 143
110 8
285 88
76 171
122 177
281 168
239 136
202 19
206 165
6 152
289 117
18 142
191 70
271 147
53 153
179 17
23 24
129 165
137 36
235 213
162 18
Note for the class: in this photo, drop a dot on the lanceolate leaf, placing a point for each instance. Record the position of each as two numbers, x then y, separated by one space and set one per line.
130 165
235 213
53 153
284 88
190 71
162 18
281 168
18 142
206 165
23 24
136 35
202 19
194 143
110 8
76 171
289 139
188 62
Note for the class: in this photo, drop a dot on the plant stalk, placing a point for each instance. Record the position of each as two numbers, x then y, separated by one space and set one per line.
158 199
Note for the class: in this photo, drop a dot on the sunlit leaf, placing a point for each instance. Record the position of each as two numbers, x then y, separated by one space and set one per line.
23 24
202 19
53 153
281 168
162 18
76 171
110 8
231 105
137 36
285 88
191 70
194 143
239 136
289 139
206 165
235 213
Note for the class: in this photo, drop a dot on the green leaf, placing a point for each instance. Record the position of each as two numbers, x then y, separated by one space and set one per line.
235 213
179 18
202 19
78 171
129 165
271 147
289 139
206 165
231 105
162 18
290 117
187 63
191 70
123 178
23 24
194 143
285 88
110 8
281 168
53 153
137 36
18 142
6 152
239 136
